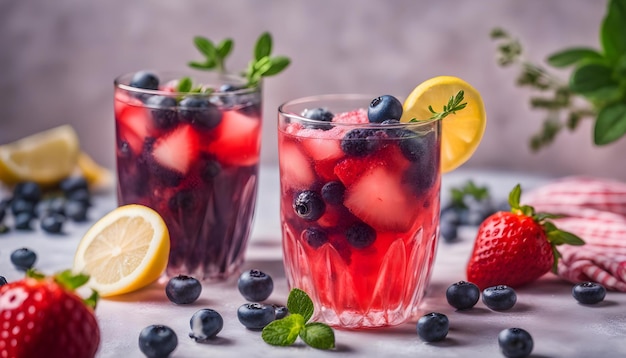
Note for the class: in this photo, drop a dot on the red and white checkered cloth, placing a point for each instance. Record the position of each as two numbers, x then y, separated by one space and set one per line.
596 211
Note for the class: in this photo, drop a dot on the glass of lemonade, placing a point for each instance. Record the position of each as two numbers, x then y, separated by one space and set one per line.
192 156
359 208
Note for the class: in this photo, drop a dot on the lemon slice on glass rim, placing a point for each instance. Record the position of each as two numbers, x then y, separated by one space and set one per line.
124 251
461 132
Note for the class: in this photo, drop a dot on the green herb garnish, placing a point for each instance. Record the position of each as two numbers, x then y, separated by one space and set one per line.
454 105
284 332
262 65
598 78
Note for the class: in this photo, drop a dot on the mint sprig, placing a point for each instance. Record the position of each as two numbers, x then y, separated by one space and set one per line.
470 189
284 332
262 65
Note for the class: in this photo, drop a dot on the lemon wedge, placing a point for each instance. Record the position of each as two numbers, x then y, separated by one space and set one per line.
125 250
461 132
97 176
45 157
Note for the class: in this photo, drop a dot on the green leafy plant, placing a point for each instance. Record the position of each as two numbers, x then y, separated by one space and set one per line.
285 331
262 65
469 189
596 88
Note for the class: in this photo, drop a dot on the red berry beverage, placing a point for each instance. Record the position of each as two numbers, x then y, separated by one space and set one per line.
359 206
193 156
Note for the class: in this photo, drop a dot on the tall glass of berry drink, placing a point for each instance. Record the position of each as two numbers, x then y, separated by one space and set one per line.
188 147
359 207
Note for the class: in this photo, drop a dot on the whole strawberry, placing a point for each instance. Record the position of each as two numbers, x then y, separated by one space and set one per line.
517 247
43 317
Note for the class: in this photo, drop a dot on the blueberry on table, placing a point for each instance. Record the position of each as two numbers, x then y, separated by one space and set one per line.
205 324
448 230
3 281
255 285
280 312
23 259
433 327
183 289
22 221
157 341
309 205
76 210
145 80
27 190
81 195
383 108
51 205
52 223
589 293
515 343
19 206
499 298
255 316
462 295
73 183
199 112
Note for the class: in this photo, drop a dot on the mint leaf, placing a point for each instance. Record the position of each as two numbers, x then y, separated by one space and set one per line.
184 85
318 335
263 46
283 332
572 56
224 48
205 46
611 124
278 64
300 303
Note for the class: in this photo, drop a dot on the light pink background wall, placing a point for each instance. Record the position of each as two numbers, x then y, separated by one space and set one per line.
58 60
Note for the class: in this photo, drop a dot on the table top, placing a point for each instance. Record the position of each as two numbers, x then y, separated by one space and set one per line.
559 325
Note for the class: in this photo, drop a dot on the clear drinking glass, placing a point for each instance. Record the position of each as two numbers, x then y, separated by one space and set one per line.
194 158
359 210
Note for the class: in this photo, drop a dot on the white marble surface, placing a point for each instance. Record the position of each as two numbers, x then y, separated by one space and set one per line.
560 326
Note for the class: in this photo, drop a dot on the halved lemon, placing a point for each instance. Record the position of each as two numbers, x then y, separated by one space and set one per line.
461 132
45 157
124 251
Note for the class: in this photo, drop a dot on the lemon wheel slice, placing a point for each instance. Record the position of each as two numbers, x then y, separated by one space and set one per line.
45 157
461 132
124 251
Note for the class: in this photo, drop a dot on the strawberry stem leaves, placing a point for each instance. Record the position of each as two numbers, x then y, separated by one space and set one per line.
554 235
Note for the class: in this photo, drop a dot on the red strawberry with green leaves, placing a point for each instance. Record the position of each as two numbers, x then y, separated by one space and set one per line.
517 247
43 317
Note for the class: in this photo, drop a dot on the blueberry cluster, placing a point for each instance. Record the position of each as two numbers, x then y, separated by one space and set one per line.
53 208
196 108
256 286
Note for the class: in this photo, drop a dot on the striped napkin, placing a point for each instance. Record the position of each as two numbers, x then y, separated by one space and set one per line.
595 210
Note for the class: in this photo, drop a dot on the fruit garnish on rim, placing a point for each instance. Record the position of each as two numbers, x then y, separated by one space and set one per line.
125 250
45 317
463 116
517 247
